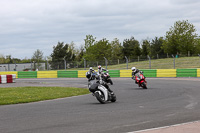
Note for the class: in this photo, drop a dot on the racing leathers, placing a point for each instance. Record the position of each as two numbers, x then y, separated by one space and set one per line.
137 72
89 74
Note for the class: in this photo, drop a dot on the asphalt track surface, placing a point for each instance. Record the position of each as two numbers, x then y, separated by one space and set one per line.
167 101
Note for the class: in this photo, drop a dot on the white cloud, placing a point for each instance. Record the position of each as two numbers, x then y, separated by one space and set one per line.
28 25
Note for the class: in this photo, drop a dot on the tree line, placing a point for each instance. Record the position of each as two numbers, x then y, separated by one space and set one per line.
181 39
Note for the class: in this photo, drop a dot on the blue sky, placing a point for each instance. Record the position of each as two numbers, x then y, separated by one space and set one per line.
28 25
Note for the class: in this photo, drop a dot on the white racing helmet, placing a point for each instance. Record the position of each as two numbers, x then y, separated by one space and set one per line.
133 69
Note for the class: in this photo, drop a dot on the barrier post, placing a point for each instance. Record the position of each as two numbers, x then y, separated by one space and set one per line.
126 62
174 61
84 64
199 57
65 62
149 62
105 62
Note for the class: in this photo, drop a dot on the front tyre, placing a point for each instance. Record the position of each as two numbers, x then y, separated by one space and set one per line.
100 98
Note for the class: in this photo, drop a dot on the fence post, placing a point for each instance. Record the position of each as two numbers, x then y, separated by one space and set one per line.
47 65
31 66
84 64
174 61
8 67
15 66
149 62
199 57
126 62
105 62
65 65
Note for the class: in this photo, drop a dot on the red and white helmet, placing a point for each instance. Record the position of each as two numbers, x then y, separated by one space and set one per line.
99 67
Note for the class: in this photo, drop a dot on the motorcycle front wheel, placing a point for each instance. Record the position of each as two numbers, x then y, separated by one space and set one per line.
100 98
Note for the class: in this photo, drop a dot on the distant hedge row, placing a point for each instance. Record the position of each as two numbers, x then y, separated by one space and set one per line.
113 73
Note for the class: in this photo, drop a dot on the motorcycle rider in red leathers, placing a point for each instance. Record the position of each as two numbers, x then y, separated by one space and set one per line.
135 72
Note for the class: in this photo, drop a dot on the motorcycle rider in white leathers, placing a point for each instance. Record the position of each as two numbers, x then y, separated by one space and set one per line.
100 70
89 74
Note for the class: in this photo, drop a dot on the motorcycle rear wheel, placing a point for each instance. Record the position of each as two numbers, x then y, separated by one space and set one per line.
144 86
113 98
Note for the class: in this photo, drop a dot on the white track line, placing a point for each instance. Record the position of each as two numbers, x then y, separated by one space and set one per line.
163 127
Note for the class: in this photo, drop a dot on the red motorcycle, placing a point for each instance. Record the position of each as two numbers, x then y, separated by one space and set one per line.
140 79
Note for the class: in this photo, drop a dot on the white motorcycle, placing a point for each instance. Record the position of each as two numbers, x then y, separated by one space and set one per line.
100 91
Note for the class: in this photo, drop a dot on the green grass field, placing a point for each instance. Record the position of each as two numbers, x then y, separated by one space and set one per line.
17 95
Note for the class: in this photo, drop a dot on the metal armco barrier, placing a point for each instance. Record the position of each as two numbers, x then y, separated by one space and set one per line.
7 78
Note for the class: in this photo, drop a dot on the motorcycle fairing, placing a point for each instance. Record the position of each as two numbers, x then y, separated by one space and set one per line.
104 90
93 87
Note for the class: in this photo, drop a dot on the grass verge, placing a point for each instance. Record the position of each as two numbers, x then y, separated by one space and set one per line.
17 95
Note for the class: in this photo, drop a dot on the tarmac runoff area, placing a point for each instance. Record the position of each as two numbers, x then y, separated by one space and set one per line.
191 127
